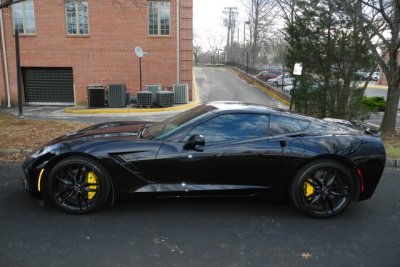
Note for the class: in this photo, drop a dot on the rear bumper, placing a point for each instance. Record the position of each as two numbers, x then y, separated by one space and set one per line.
371 173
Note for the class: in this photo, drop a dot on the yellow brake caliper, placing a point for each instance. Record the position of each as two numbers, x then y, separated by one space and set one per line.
92 179
308 188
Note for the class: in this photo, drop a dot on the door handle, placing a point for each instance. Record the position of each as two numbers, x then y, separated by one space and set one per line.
282 143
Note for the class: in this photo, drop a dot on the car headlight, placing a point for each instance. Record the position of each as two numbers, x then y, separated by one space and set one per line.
43 151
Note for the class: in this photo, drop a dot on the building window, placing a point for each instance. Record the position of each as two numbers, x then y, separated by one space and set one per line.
23 16
159 17
77 17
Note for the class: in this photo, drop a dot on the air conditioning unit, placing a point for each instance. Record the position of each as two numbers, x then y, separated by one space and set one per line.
144 98
181 93
154 88
96 96
165 98
116 96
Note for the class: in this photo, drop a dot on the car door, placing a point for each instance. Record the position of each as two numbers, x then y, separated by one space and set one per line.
238 154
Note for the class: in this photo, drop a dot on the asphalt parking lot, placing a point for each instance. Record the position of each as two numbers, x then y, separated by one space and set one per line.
196 232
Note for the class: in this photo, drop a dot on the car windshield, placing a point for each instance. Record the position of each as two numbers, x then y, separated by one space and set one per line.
171 125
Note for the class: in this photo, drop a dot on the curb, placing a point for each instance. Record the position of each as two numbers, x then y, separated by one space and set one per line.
195 102
127 110
392 163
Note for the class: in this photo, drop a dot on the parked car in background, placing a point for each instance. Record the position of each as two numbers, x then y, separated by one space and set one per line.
365 74
268 74
375 76
288 88
287 79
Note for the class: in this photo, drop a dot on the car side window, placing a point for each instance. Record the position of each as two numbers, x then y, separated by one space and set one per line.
228 127
283 125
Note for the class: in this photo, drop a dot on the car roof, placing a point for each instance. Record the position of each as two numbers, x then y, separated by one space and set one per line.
256 108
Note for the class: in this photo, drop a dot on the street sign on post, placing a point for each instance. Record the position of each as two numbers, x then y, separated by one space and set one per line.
298 68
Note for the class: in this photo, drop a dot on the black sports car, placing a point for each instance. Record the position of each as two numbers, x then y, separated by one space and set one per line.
216 149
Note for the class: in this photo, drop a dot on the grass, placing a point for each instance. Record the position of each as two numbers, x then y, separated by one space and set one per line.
392 145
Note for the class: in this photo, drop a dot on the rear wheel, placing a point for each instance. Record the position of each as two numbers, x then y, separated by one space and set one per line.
322 189
78 185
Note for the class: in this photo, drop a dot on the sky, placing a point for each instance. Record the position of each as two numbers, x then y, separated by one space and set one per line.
208 18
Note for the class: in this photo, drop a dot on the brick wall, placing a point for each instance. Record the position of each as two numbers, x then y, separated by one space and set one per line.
107 54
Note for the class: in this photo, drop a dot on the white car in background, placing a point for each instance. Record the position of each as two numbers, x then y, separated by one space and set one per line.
364 75
287 79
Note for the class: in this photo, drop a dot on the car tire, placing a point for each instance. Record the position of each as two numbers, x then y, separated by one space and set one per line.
322 189
275 83
78 185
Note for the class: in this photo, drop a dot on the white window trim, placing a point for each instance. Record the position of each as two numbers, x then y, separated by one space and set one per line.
77 20
23 19
158 19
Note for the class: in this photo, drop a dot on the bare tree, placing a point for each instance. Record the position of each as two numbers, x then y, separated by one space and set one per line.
380 29
261 15
215 42
196 48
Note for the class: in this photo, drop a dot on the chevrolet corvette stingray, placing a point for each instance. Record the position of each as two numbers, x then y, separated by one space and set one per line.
217 149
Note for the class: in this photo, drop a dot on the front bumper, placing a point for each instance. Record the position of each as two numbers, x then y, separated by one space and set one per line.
31 179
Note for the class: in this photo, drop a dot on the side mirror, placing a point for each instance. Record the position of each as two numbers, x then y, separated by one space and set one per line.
193 141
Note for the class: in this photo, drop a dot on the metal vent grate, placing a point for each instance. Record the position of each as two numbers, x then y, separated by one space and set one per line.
165 98
48 85
144 98
96 96
116 96
181 93
154 88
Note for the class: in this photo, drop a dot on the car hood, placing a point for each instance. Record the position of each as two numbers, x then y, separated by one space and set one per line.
108 129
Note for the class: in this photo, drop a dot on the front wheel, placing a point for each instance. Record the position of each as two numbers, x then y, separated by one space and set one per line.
322 189
78 185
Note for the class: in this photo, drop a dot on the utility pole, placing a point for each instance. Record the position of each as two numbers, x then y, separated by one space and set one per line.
230 23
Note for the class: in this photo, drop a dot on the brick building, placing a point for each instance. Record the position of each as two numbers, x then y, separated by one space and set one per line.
67 45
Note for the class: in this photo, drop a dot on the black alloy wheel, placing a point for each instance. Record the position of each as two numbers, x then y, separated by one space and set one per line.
322 189
78 185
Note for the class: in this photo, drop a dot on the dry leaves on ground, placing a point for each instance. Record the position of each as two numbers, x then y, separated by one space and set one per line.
23 134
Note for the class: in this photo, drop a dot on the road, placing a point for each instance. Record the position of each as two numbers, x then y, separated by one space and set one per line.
222 84
197 232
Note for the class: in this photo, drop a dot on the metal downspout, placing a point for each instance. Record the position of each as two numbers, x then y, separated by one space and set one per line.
5 64
178 41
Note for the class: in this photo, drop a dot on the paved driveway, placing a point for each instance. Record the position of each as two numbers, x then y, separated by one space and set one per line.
216 84
203 232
